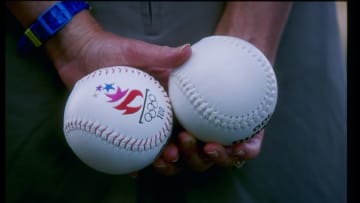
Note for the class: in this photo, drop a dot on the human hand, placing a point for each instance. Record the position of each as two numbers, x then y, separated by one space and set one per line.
83 46
240 19
80 49
199 156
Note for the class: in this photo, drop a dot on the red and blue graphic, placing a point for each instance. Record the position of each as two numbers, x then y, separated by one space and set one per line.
127 101
129 97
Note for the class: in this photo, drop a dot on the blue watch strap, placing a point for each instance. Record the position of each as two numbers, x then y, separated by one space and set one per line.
49 23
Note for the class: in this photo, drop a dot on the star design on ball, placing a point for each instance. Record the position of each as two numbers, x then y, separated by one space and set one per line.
109 87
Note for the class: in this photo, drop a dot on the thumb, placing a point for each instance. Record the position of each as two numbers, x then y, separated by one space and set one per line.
144 55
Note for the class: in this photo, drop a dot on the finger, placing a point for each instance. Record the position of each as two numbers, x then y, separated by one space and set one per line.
144 54
191 154
219 154
250 148
165 168
165 165
170 153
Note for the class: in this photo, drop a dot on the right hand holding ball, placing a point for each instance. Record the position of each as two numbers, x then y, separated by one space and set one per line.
226 92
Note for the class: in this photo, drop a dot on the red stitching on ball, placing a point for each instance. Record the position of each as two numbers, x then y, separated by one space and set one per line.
96 128
139 145
167 124
156 139
80 122
112 137
151 142
161 136
126 143
90 126
86 125
107 135
102 132
145 144
120 141
132 145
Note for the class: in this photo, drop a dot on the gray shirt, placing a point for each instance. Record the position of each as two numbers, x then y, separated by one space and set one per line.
303 157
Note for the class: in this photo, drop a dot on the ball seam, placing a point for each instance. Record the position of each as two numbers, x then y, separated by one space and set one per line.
116 138
229 122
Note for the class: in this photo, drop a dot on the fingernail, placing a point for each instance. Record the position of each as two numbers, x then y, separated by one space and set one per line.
240 153
189 142
184 46
213 154
175 160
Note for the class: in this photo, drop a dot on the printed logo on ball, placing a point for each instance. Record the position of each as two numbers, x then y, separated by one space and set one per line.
131 101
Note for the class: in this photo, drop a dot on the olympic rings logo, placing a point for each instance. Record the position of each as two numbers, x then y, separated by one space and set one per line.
151 108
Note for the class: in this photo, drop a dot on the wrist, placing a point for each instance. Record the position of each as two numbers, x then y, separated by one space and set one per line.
259 40
72 39
256 22
46 19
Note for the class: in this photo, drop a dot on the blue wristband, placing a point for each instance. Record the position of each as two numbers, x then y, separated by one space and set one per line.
49 23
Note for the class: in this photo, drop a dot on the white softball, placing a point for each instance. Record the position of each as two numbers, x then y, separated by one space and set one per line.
117 119
226 92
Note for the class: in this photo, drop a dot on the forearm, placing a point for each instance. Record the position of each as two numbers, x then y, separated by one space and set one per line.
26 12
260 23
68 40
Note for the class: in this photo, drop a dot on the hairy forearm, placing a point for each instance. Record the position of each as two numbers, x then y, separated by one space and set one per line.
260 23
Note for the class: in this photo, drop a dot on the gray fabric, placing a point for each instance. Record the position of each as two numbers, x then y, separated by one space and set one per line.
303 157
165 23
304 153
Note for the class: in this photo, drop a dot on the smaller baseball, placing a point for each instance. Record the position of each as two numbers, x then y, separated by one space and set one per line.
226 92
117 119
